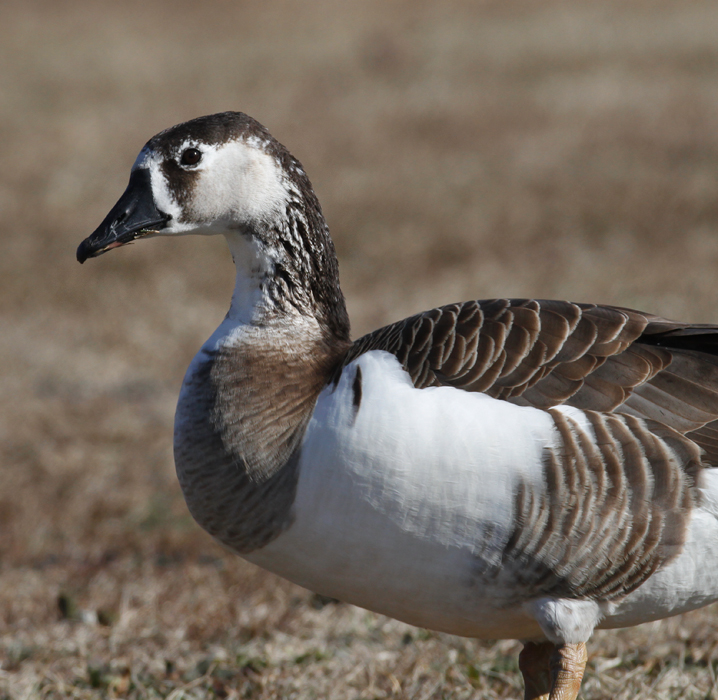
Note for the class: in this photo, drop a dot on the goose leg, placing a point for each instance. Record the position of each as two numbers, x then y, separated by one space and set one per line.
534 663
552 672
567 663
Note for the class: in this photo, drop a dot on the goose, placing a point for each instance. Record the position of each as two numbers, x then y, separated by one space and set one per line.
504 468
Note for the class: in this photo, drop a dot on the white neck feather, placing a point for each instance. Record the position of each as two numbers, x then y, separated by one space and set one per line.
253 262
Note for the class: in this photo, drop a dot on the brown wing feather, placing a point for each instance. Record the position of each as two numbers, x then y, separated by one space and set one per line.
619 492
616 507
547 353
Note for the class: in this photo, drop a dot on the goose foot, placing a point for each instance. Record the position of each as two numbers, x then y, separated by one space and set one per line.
552 672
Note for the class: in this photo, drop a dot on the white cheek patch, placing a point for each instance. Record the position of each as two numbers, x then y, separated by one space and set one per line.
238 182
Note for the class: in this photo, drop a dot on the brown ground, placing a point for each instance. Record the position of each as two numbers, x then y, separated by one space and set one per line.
461 150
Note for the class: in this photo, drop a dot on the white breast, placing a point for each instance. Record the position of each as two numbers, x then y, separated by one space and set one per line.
404 504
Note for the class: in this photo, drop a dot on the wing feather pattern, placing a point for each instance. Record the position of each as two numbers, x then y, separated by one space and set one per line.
619 490
547 353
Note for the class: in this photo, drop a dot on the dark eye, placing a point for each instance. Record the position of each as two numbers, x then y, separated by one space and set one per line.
190 156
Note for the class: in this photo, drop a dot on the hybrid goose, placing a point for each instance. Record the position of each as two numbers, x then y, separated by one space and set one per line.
497 469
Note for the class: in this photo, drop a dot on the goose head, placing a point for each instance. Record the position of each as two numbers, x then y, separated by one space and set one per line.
225 174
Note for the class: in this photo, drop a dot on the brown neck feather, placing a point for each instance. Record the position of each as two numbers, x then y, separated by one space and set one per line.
240 420
266 388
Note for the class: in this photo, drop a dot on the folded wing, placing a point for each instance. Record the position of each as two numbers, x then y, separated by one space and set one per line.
548 353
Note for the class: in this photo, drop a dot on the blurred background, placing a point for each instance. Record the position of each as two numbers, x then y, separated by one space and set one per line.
462 149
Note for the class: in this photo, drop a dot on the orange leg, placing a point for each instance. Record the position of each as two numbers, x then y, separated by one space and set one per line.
552 672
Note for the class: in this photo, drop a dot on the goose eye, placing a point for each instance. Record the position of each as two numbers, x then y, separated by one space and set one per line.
190 156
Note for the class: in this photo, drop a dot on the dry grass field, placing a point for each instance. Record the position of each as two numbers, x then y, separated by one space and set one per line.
461 149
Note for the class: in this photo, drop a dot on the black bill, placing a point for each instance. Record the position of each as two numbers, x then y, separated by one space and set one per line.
135 215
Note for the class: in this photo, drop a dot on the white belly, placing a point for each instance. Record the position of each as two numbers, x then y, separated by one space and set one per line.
403 506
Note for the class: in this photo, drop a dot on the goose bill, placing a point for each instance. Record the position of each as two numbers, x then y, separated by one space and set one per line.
134 216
